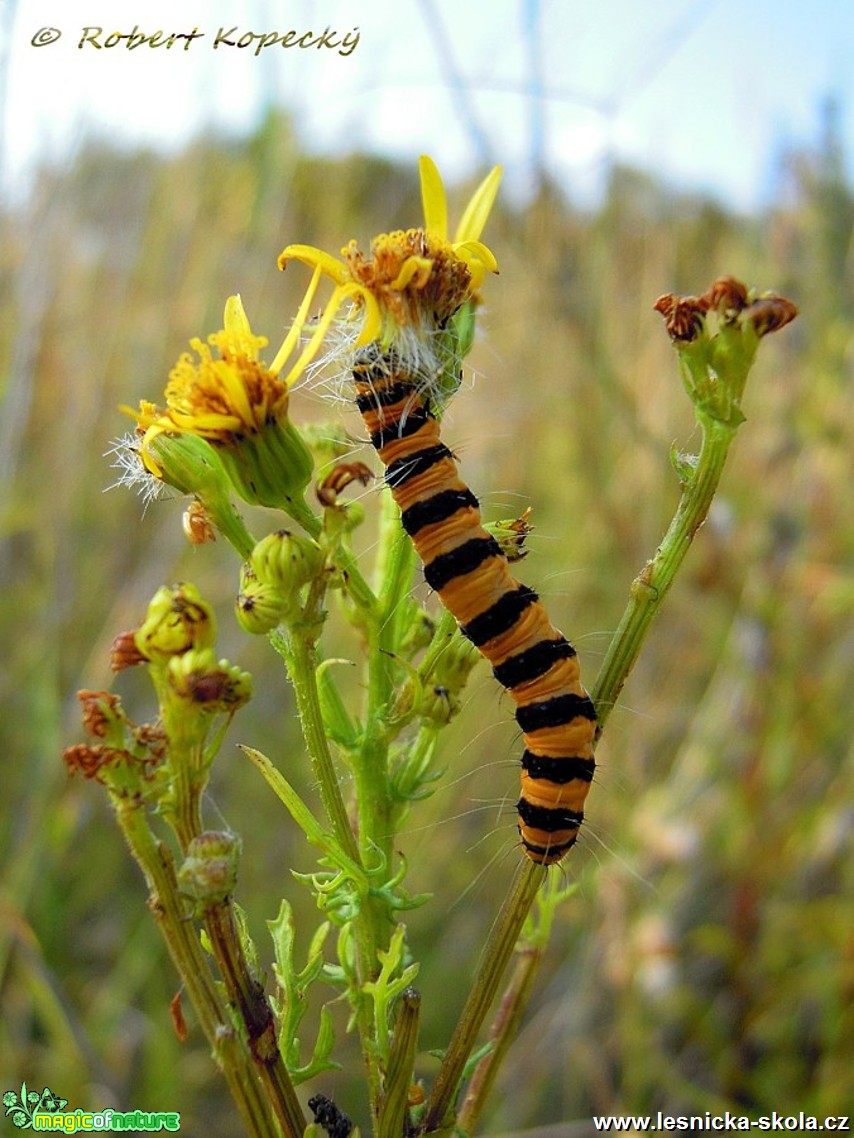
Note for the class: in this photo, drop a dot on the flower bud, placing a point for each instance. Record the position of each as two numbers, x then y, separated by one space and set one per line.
188 463
210 684
177 620
286 560
419 627
271 468
208 873
259 606
438 705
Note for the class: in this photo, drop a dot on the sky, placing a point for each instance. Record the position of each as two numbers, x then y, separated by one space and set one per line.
708 95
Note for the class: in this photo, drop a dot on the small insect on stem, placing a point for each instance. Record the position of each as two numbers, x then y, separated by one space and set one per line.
329 1117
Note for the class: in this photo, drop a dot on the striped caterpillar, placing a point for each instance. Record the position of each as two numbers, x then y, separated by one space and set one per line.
501 617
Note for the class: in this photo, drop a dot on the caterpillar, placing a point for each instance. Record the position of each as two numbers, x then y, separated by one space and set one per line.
503 618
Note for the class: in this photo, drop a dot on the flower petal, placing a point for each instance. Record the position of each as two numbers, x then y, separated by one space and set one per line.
235 320
315 258
477 251
479 207
433 198
296 328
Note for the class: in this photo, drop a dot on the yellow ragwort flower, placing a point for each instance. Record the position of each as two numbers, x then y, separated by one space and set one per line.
411 279
226 396
217 399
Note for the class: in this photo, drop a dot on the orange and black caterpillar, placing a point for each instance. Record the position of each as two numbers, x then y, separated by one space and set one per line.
501 617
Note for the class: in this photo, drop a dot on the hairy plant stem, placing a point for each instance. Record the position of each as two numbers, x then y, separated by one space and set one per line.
497 953
369 934
228 1049
300 656
652 583
395 567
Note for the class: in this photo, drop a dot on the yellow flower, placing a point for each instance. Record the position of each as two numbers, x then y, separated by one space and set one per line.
413 279
238 406
218 399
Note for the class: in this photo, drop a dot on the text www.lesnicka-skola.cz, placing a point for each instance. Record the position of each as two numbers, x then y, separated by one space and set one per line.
329 38
725 1121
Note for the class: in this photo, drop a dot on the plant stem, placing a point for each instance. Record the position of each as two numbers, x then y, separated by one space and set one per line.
503 1032
497 953
394 570
247 997
229 1051
300 656
358 588
400 1066
650 586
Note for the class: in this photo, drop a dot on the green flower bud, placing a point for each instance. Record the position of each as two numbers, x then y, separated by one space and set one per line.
208 873
286 560
259 606
271 468
454 666
419 628
190 464
438 705
177 620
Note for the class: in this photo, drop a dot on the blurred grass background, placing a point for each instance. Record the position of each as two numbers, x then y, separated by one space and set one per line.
705 962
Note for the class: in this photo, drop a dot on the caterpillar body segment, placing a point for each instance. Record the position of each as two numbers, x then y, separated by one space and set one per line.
503 618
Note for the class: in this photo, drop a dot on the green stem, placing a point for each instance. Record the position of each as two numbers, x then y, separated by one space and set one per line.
394 570
502 1034
360 591
497 954
358 588
302 513
231 525
229 1051
301 659
247 996
400 1067
186 762
395 567
650 586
